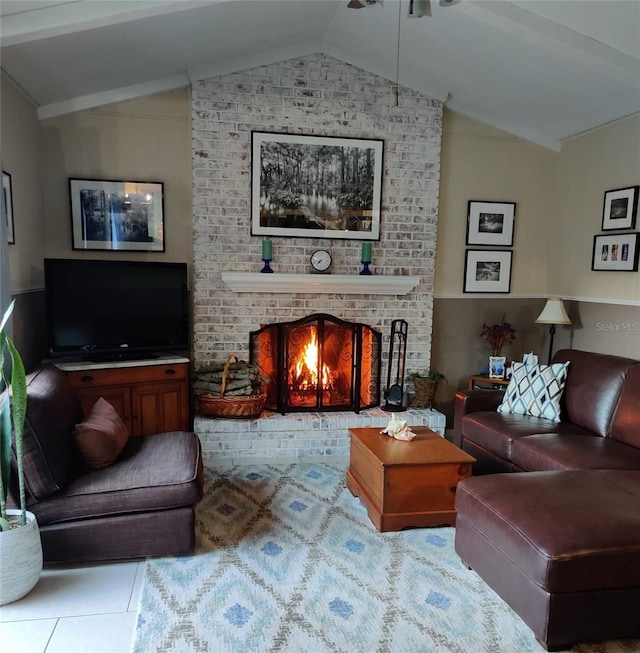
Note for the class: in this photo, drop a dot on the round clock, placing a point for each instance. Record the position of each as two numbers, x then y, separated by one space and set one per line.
320 260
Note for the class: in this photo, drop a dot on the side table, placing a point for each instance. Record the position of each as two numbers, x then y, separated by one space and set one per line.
483 378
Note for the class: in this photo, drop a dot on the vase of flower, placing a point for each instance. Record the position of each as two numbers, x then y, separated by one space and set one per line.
498 335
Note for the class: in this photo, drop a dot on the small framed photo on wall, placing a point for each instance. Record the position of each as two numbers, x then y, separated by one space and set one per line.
487 271
491 223
616 252
620 208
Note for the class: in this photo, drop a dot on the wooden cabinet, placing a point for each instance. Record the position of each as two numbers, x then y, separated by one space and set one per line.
150 398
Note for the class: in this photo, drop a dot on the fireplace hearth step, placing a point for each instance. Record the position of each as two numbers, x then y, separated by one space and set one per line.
298 435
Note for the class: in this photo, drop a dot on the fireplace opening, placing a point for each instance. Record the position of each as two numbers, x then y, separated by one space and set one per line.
318 363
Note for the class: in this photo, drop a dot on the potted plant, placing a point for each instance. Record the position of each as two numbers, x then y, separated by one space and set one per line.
20 546
425 383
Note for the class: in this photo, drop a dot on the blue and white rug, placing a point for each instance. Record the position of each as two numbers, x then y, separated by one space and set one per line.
288 561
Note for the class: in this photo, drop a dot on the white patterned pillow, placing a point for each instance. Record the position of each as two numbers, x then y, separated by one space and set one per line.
535 390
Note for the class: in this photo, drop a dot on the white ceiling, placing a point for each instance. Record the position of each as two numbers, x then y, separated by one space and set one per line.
543 70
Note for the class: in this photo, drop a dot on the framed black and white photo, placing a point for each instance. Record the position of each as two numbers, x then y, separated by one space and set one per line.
491 223
616 252
315 186
7 205
620 208
487 271
117 215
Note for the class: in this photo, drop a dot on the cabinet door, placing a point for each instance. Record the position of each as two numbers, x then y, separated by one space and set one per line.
159 407
118 396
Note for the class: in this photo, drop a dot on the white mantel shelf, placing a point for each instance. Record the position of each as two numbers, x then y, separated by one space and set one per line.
349 284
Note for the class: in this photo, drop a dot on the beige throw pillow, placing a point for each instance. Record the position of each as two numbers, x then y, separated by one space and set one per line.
101 436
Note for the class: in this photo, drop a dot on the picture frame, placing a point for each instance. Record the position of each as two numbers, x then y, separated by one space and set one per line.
497 367
7 202
117 215
620 208
616 252
298 186
490 223
487 271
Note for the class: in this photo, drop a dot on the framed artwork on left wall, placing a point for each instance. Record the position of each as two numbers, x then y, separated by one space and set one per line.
7 201
117 215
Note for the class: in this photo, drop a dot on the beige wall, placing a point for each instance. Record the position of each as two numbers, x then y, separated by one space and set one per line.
21 158
483 163
147 139
586 167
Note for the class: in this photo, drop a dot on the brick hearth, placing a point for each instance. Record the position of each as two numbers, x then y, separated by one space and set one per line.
296 435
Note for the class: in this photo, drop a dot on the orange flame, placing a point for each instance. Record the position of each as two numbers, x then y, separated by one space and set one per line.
305 369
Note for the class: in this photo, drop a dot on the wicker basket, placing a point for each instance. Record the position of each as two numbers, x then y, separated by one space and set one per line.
248 407
425 392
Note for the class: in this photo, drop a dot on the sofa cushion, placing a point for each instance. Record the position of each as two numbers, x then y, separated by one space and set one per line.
53 409
535 390
551 451
153 472
594 383
101 436
625 426
568 531
496 432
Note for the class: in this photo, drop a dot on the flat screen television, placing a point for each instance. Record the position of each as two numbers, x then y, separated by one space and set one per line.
98 309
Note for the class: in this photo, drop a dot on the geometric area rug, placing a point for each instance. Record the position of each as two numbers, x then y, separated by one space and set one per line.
288 561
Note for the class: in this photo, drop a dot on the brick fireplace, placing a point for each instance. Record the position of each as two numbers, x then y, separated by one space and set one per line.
315 95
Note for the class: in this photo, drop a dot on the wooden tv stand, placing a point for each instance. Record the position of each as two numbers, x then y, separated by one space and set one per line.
151 395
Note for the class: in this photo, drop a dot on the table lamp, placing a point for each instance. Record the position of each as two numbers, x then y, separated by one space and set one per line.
553 313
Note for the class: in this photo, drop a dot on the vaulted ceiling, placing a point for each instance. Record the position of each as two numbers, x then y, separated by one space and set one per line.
542 70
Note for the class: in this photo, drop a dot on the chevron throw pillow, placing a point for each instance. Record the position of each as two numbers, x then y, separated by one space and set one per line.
535 390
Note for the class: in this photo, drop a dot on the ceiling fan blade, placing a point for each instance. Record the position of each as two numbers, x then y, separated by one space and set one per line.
448 3
356 4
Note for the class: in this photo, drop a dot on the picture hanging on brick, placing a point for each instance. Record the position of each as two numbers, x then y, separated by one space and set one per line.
232 390
315 186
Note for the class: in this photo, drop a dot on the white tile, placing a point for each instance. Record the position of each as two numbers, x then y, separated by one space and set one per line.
26 636
105 633
73 591
137 587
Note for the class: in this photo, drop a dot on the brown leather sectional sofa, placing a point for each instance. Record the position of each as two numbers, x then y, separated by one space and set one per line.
561 542
141 505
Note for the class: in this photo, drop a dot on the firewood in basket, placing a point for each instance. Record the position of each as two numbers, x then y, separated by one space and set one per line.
248 373
216 388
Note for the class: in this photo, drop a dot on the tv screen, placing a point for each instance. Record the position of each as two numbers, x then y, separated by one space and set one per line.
115 309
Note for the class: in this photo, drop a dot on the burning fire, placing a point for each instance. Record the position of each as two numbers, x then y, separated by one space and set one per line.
304 371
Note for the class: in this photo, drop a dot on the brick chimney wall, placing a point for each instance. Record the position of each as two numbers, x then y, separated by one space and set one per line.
320 96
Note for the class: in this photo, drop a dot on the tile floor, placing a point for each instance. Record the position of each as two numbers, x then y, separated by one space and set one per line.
90 609
72 609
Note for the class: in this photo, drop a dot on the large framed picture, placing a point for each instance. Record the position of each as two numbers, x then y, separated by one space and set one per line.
117 215
491 223
7 206
487 271
616 252
315 186
620 208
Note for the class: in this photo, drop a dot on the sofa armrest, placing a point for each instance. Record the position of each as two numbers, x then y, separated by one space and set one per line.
472 401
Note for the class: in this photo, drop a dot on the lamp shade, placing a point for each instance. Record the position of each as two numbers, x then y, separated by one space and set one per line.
553 313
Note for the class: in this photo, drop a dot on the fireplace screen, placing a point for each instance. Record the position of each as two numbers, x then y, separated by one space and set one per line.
318 363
